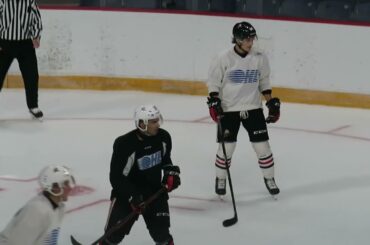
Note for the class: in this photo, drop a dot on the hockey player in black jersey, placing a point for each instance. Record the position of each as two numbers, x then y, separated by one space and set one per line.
138 160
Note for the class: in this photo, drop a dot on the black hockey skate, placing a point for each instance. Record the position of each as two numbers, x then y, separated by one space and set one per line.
271 186
220 186
37 113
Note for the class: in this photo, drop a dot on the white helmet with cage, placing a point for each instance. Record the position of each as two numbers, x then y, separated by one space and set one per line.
55 175
144 113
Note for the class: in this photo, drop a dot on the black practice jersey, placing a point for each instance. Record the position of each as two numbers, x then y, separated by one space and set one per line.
137 162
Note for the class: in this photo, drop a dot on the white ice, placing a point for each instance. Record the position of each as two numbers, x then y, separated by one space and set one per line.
321 158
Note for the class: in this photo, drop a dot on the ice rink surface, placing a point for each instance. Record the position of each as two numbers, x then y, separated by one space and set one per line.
321 158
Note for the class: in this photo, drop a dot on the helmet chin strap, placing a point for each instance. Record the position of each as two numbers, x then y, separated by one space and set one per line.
56 193
238 44
144 131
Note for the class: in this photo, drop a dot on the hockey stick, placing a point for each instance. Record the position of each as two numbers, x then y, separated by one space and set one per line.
124 221
233 220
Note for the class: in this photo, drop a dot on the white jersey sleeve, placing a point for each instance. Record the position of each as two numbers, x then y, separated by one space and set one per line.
239 80
37 223
264 68
215 75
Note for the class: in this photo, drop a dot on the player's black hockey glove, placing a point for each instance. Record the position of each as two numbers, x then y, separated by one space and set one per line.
274 110
137 203
171 177
214 106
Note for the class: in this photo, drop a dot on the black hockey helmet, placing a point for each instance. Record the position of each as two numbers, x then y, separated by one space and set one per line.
243 30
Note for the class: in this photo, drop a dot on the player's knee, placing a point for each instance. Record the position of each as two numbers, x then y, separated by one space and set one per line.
168 241
229 148
262 149
161 236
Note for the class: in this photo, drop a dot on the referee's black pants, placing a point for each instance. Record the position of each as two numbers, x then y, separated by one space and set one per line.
25 53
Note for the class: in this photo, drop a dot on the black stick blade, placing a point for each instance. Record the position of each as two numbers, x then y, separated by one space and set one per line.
230 222
74 241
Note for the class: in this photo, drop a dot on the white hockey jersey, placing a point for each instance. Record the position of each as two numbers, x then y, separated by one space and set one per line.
36 223
239 81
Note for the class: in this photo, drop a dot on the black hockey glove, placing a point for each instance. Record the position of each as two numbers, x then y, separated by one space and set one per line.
214 106
137 203
171 177
274 110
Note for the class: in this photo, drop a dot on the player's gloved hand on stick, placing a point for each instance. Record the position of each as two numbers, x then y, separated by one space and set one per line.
274 110
214 106
137 203
171 177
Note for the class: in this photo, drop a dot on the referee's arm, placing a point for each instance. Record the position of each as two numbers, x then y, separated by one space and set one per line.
36 23
1 11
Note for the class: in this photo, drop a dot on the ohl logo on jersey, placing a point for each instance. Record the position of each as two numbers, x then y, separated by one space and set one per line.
247 76
52 237
149 161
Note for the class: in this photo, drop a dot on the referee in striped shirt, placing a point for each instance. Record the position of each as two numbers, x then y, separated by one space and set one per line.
20 30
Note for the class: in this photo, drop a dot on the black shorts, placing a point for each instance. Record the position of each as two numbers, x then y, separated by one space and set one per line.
156 217
254 123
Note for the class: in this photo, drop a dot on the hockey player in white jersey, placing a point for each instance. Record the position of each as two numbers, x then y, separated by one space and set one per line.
237 79
38 221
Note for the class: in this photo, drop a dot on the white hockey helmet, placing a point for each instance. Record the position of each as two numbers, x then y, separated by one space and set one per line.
145 113
55 175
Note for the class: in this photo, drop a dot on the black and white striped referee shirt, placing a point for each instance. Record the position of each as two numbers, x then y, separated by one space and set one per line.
19 20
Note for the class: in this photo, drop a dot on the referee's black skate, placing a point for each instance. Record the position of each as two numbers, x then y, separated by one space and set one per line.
220 186
271 186
37 113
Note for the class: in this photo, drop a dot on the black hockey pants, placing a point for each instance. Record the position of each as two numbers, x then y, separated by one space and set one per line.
25 53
